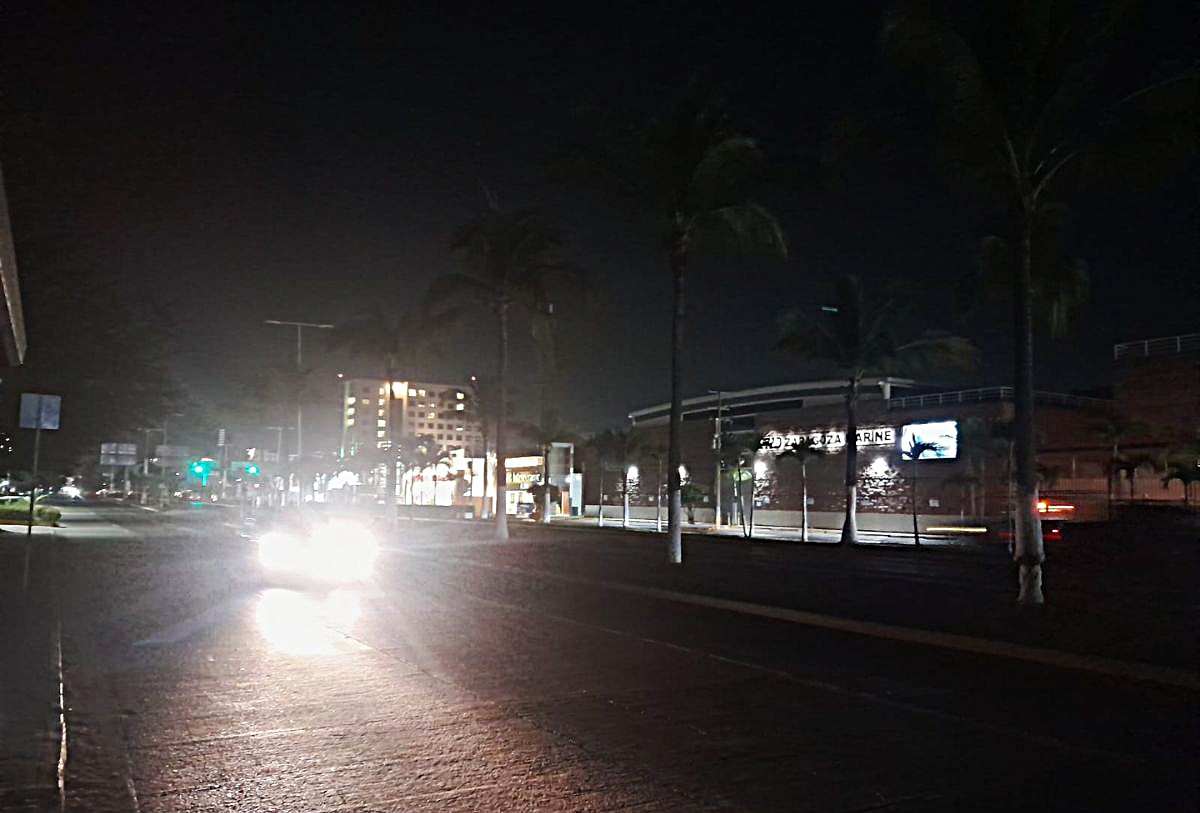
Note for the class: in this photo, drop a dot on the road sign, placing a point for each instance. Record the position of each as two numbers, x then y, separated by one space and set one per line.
118 454
40 411
171 452
220 437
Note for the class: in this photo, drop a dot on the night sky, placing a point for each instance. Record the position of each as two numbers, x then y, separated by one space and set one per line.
238 162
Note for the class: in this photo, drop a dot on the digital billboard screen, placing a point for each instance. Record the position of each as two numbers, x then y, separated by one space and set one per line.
944 434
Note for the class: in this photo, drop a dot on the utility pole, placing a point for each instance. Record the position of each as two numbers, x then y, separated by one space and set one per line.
717 448
299 369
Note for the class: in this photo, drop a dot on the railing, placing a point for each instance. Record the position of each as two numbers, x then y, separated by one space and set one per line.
1165 346
993 394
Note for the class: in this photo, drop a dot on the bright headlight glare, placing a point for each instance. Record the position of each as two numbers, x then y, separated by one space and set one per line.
343 551
279 551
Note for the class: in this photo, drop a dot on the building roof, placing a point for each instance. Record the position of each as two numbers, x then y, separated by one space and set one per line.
767 399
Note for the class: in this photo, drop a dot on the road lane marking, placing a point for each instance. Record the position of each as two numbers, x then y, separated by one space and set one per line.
62 722
821 685
1111 667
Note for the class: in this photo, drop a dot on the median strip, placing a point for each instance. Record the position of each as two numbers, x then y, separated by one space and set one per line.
1111 667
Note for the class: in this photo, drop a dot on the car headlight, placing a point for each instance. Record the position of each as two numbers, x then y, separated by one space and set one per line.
279 551
343 551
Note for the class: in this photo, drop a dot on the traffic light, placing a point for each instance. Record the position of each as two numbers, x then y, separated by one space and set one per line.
200 470
252 469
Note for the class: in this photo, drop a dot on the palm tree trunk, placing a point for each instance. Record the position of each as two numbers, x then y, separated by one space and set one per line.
1027 549
916 528
600 507
850 524
392 477
804 501
625 498
546 484
483 504
658 484
501 433
674 531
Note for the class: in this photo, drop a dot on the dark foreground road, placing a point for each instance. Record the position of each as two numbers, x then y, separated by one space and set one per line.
530 676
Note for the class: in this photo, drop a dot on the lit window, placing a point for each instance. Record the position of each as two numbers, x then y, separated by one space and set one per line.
432 415
349 422
459 395
381 422
460 407
421 393
380 433
397 389
458 429
412 393
350 400
381 413
349 410
383 390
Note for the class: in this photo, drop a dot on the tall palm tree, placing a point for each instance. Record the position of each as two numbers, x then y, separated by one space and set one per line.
623 446
1129 465
804 450
692 172
545 433
1113 431
511 262
482 401
1187 475
858 334
658 453
602 444
1018 97
915 451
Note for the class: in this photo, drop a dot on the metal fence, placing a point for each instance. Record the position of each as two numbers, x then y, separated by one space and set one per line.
983 394
1164 346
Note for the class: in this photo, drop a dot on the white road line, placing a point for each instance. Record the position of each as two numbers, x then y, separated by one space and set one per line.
1128 670
62 723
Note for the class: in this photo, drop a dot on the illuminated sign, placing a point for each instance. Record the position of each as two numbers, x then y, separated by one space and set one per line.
943 434
832 439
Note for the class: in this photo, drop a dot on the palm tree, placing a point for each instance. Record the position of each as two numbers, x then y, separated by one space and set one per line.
1114 430
692 172
623 446
915 451
804 450
482 400
1187 475
603 444
545 433
658 453
1015 96
510 262
1129 464
977 443
858 334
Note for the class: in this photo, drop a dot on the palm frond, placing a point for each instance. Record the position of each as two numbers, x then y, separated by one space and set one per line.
747 227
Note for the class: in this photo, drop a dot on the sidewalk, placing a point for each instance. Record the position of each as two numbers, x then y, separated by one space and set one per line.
30 676
781 533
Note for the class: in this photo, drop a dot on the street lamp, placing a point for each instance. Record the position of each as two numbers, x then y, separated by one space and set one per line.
299 369
717 448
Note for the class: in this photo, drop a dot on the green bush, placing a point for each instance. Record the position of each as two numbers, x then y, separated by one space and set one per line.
17 513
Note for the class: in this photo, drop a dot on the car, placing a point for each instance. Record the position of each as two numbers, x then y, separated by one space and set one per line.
317 547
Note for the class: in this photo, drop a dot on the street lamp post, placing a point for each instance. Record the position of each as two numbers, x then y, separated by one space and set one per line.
717 448
299 368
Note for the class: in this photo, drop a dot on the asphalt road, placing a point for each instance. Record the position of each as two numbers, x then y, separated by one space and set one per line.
566 671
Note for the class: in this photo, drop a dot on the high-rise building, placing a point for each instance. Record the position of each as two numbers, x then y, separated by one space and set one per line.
439 411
